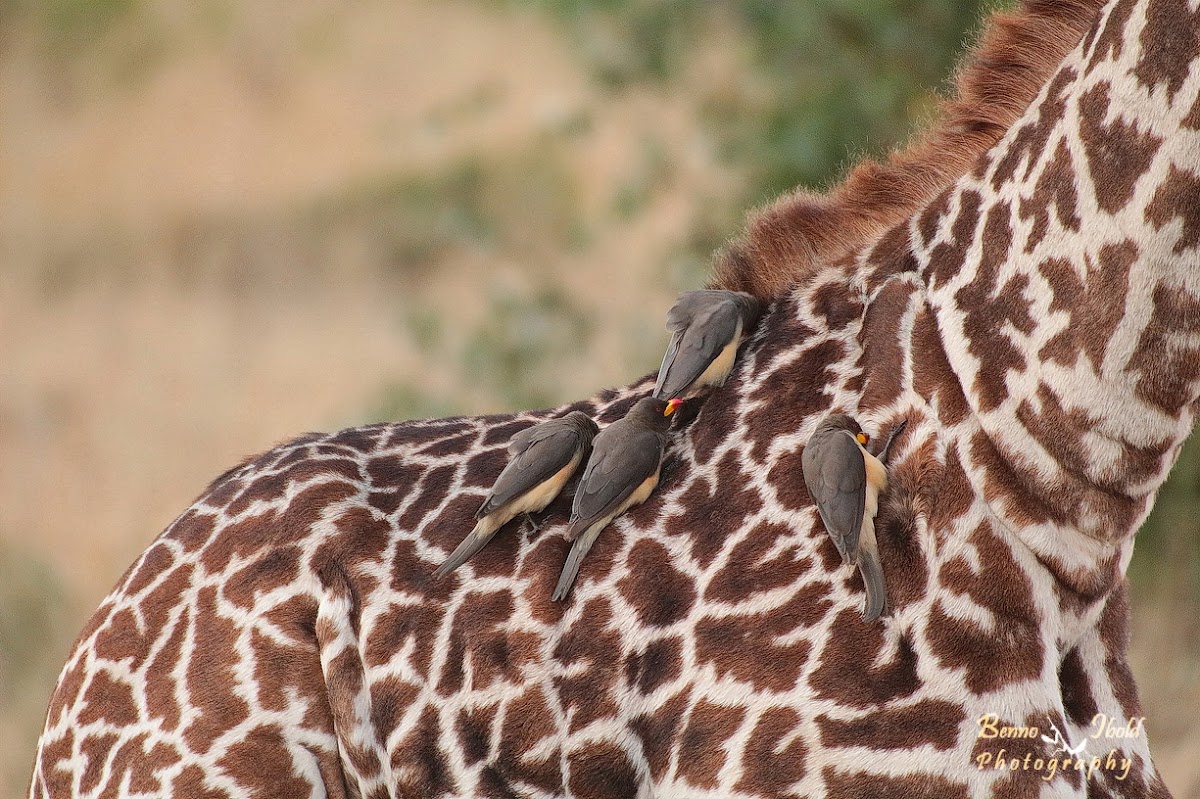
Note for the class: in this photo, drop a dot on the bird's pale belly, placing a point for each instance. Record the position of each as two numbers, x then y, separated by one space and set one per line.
722 365
876 483
641 493
542 495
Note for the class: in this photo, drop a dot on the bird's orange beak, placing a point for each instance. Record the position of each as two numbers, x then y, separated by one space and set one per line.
672 406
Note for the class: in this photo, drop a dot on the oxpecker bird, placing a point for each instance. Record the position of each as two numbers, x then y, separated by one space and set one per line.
542 459
622 472
845 481
707 327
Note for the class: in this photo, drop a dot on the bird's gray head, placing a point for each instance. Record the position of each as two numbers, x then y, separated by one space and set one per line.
586 425
840 421
654 413
750 306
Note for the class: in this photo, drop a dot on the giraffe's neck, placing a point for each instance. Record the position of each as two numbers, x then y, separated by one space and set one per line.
1061 277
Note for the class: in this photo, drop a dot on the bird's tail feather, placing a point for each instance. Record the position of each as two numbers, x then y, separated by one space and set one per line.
483 531
574 559
871 569
872 574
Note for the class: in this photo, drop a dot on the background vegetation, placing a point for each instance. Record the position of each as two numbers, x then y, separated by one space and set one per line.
222 224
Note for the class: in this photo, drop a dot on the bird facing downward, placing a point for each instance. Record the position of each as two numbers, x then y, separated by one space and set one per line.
845 481
542 459
707 327
621 473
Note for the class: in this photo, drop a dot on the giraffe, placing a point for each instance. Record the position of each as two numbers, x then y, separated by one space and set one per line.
1020 287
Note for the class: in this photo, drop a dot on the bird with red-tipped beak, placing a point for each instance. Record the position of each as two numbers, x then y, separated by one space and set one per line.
622 472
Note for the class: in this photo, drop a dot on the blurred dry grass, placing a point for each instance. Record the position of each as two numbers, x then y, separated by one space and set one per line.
223 224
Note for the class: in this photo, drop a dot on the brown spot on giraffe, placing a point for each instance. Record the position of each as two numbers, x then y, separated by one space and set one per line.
790 393
858 785
192 782
1108 39
852 672
657 666
1168 44
1168 369
528 721
192 530
588 646
1192 120
891 256
1118 153
933 377
947 259
756 563
928 722
776 756
884 378
1093 301
1033 136
1178 198
931 217
427 496
835 306
1055 191
391 697
785 478
710 508
702 745
1059 430
1079 700
754 647
991 308
474 728
897 531
417 761
262 764
1011 637
657 730
659 593
601 771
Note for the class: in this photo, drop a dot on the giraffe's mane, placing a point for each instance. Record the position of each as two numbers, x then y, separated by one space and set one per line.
1015 55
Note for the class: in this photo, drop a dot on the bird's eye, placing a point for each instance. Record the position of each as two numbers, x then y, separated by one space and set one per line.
862 438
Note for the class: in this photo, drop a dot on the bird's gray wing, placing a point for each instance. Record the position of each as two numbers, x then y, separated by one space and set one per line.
836 476
536 453
703 323
618 466
664 369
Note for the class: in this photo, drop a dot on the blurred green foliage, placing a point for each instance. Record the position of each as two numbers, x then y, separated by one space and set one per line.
34 612
68 19
511 356
825 82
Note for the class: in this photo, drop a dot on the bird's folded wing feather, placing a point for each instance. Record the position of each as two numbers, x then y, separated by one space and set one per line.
838 483
538 452
613 473
702 327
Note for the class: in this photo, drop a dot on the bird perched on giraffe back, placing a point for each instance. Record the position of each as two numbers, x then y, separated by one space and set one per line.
542 459
845 481
707 327
622 472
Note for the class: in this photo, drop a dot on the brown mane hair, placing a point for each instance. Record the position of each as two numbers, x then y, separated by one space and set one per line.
1014 57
